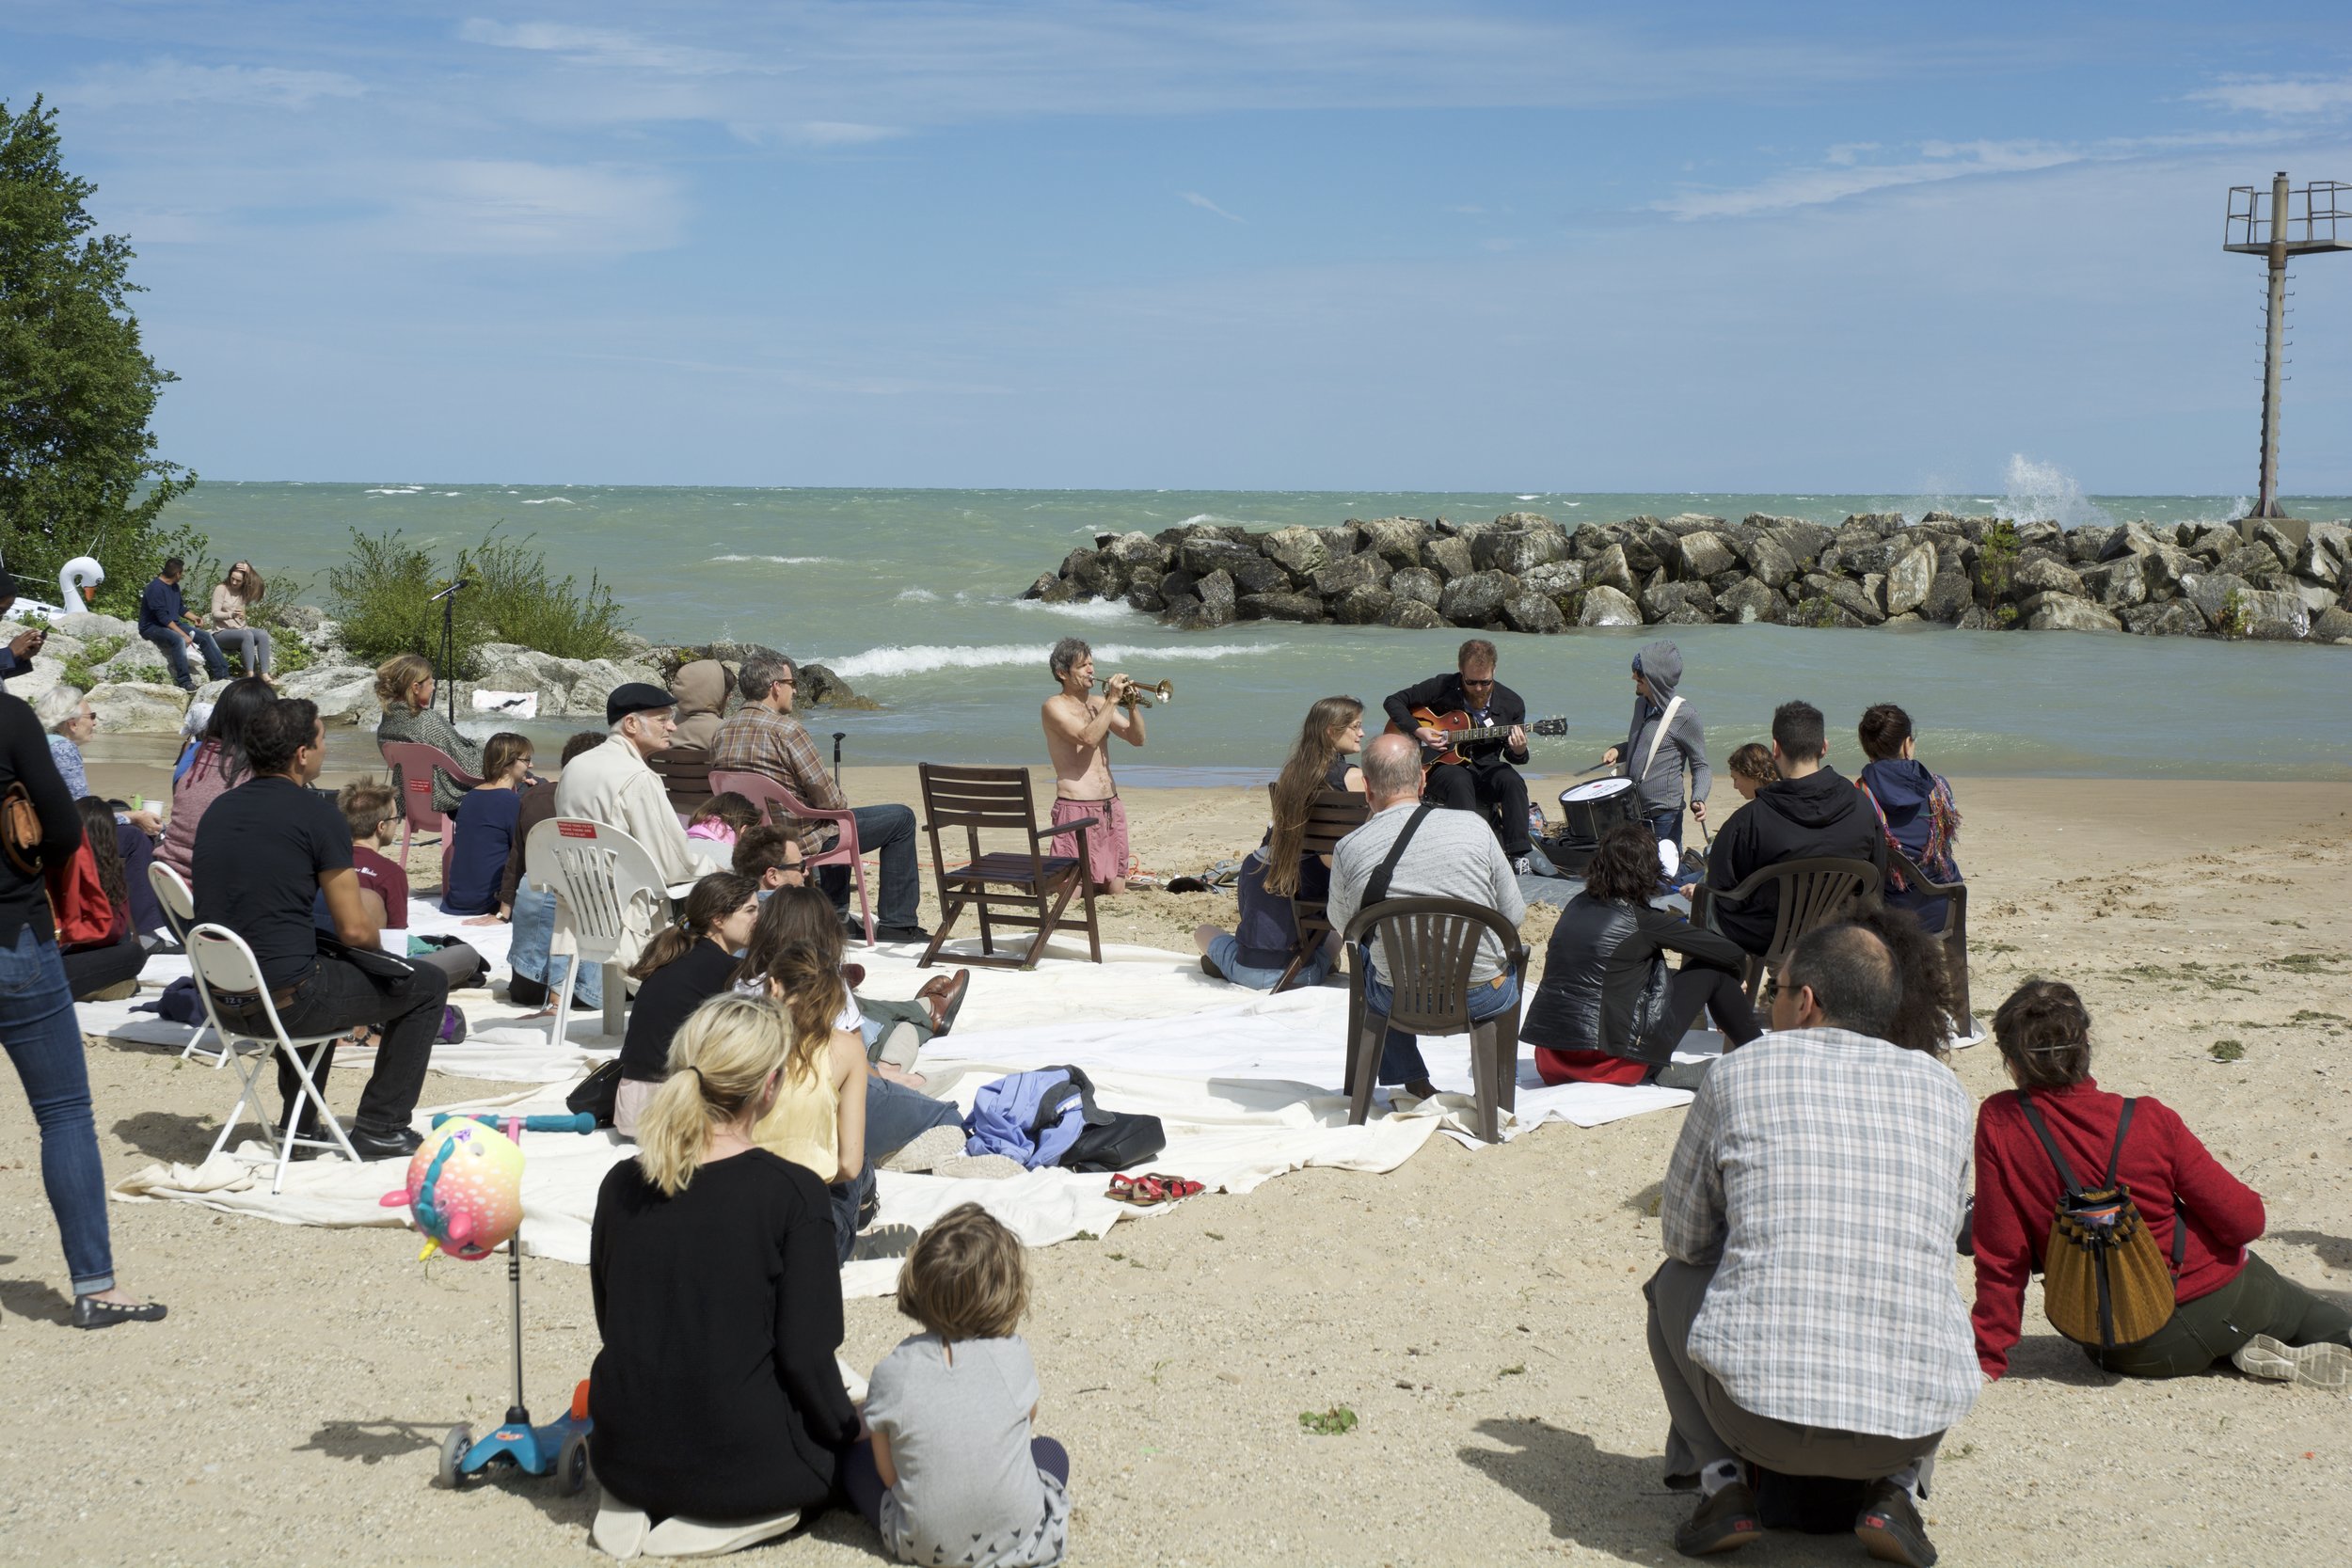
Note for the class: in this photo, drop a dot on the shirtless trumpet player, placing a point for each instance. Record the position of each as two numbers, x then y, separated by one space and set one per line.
1078 720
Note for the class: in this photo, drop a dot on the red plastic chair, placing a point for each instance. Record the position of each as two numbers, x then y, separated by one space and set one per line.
415 762
781 804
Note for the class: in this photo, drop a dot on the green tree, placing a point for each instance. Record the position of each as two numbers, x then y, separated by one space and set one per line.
79 472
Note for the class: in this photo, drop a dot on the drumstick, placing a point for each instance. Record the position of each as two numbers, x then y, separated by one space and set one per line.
1594 768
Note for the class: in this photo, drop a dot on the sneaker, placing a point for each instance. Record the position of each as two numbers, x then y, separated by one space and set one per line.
620 1529
928 1150
2322 1365
1890 1528
397 1143
1722 1523
883 1241
1524 865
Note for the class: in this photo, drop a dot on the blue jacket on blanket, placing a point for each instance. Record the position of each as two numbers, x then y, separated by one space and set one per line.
1030 1117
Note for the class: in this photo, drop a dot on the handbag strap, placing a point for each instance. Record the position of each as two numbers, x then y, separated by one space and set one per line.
2049 1145
1377 888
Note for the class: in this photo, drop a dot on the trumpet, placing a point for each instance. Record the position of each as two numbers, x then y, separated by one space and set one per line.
1138 692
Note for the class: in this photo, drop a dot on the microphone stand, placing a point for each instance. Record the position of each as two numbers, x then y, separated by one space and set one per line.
447 599
838 737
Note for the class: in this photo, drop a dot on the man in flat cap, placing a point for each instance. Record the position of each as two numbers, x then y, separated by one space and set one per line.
612 784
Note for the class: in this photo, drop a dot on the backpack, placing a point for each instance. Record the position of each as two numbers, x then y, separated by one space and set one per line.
1049 1117
2104 1283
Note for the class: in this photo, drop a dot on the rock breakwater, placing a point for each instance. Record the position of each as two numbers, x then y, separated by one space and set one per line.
2288 581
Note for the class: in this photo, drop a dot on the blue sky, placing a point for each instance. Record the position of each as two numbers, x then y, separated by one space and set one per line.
1293 243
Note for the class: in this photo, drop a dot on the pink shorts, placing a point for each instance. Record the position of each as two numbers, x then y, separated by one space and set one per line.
1106 841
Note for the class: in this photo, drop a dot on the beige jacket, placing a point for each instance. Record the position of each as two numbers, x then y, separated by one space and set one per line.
612 786
228 610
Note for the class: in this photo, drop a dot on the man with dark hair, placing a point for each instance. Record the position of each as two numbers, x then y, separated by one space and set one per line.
17 658
164 621
1812 811
771 857
1487 781
265 851
766 736
1806 1321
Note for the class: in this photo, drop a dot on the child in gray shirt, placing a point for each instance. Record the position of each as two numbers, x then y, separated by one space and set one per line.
949 1472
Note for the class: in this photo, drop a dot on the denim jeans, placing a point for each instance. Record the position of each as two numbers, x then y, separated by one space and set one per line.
1225 952
890 830
44 1042
338 997
175 651
896 1115
527 953
1400 1054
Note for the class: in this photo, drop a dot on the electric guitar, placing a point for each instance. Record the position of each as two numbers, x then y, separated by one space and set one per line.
1461 731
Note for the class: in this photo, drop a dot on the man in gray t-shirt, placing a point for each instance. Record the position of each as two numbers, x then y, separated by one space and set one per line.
1452 854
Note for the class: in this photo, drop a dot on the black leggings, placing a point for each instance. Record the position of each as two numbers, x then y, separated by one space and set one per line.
1721 993
91 969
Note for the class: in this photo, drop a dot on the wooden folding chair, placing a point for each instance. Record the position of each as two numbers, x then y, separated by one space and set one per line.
223 962
1332 816
413 763
1428 946
1818 891
782 806
1954 936
1037 885
684 775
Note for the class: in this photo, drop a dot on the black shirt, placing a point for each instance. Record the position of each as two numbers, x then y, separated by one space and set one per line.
716 1394
664 998
24 759
1443 694
259 851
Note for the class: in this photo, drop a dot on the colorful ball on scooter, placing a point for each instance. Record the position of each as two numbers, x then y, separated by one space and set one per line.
465 1189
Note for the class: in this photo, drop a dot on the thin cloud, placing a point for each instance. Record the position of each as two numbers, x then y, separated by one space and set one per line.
2281 96
1207 206
601 46
509 207
173 81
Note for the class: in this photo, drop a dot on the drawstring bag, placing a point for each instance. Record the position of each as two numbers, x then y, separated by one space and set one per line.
2104 1283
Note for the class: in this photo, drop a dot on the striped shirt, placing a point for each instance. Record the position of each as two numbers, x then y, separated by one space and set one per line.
1825 1173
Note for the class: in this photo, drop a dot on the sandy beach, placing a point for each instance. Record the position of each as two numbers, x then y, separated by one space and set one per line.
1479 1311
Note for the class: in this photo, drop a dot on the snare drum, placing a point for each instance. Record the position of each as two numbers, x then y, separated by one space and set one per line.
1593 809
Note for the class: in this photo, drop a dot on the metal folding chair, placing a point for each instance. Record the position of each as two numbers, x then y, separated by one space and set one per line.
598 874
222 960
179 907
782 806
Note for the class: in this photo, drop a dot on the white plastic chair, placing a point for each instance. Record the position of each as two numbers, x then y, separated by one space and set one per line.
221 959
597 873
179 907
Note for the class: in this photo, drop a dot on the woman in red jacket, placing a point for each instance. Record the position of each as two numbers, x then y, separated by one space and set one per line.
2231 1304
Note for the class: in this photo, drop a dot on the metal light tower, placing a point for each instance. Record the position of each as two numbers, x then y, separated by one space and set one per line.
2287 222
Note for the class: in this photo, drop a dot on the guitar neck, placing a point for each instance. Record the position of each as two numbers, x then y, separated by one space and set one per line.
1494 732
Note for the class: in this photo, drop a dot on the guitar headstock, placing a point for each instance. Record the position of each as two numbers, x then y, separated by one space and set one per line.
1548 726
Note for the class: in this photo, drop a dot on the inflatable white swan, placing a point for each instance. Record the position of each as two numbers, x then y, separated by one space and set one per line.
77 585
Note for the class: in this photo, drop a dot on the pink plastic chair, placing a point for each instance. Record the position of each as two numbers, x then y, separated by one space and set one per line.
415 761
781 805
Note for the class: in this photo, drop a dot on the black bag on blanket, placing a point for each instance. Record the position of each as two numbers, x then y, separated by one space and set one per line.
597 1093
1120 1141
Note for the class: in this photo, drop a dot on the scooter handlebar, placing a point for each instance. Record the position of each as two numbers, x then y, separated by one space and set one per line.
576 1123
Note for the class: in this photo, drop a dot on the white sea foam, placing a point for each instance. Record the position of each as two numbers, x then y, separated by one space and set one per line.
1222 521
917 596
779 559
399 490
1527 498
1081 610
546 500
923 658
2044 492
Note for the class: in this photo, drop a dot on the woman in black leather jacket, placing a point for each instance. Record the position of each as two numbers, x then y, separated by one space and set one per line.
1609 1010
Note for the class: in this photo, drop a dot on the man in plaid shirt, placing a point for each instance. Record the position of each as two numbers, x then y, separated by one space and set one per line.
764 738
1806 1319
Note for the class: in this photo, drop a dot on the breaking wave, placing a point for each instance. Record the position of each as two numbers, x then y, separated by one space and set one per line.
923 658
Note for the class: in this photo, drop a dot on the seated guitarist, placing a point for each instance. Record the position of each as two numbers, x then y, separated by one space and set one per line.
1485 779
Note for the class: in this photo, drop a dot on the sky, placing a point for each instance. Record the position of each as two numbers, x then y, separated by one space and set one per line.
1274 244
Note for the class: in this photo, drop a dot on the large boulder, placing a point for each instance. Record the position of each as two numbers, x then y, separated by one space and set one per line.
1677 603
2115 583
2209 542
1747 600
1908 578
1770 562
1447 556
1185 612
2248 560
1519 550
89 626
139 707
1532 613
345 693
1703 555
1554 580
2065 613
2172 618
1367 569
1362 606
2316 561
1098 572
1217 595
2087 543
2160 569
2218 597
1049 589
1143 593
1850 596
1412 615
2332 626
1204 553
1950 596
1418 583
1476 600
1803 541
1296 551
1606 605
1611 569
1340 539
1140 554
1258 575
1282 607
2130 539
2272 617
1398 539
1683 524
2044 574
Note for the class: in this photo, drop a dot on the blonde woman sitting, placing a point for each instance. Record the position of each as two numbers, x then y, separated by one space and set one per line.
720 1411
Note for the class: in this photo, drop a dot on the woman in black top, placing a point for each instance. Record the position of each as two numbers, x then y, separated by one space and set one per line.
42 1037
1609 1010
716 1395
684 966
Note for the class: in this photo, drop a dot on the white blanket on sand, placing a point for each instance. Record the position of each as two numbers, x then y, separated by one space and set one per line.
1245 1085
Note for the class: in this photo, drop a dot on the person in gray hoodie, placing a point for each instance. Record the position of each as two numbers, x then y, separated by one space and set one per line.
1664 738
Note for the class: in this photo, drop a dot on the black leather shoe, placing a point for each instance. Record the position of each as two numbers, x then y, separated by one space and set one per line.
899 933
396 1145
1890 1526
1723 1522
91 1312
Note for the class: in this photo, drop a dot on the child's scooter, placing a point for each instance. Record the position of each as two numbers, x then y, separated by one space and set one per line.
462 1210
